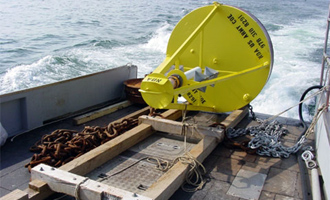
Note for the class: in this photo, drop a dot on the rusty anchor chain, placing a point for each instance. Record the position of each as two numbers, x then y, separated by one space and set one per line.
62 145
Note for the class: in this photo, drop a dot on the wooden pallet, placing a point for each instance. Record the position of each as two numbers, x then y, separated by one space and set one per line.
69 178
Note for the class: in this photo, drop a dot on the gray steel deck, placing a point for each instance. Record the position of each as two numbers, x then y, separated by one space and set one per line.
282 176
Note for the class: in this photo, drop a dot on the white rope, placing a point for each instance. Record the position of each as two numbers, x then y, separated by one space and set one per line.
302 101
315 119
161 164
77 188
194 176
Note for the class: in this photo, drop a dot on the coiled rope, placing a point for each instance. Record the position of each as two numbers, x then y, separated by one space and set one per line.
194 177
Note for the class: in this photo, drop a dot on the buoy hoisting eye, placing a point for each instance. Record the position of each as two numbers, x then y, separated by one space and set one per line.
176 80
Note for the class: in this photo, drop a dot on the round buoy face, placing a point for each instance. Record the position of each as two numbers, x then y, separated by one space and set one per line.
157 91
228 40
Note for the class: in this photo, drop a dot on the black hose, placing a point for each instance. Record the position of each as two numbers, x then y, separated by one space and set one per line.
301 104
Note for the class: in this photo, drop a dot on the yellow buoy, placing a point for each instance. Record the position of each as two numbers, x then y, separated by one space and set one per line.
218 59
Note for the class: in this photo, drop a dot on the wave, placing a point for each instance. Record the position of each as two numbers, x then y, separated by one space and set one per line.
7 41
99 43
296 66
88 57
22 76
159 39
97 37
49 69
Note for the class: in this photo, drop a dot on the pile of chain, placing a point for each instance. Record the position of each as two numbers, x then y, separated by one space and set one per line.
267 135
267 139
62 146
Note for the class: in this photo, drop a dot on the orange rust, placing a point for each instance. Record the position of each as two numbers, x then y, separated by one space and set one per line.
62 146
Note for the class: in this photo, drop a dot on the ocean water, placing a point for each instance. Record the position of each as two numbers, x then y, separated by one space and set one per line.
43 42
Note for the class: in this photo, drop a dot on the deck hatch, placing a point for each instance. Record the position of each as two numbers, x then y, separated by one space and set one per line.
247 184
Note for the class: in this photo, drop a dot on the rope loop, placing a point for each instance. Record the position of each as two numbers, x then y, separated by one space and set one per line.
77 188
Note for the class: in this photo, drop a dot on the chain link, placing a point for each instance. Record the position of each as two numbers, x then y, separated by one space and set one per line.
251 112
267 139
308 156
267 135
62 146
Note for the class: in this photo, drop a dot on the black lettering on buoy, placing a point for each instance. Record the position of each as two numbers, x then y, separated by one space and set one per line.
260 43
251 43
258 53
191 97
157 80
232 19
244 21
203 100
242 31
253 32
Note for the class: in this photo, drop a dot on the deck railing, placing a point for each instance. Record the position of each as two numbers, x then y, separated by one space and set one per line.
325 71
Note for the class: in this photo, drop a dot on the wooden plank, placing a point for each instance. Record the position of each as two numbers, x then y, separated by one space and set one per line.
172 114
235 117
74 185
101 112
98 156
167 184
103 153
16 195
38 190
193 131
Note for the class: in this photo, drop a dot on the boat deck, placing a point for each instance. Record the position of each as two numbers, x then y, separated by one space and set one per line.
224 166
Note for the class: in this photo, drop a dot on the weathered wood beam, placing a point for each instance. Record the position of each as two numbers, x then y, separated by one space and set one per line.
193 131
100 113
16 195
78 186
98 156
235 117
167 184
163 187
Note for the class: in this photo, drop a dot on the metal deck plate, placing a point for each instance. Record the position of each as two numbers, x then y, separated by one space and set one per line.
140 174
162 147
247 184
134 179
